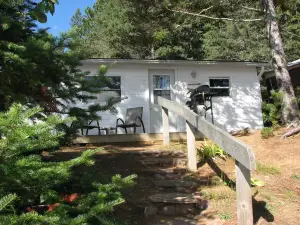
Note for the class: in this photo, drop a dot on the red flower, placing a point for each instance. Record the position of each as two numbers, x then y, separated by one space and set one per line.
70 198
73 197
51 207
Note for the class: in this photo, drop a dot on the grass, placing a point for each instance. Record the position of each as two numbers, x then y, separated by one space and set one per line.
267 132
289 194
270 208
296 177
225 216
267 169
218 193
190 177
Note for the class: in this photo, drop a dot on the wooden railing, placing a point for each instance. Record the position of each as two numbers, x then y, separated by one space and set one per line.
243 154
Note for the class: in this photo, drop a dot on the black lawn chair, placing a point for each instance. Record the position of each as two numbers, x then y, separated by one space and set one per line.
87 124
133 119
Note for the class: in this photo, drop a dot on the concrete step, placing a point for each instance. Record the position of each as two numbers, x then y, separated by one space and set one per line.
175 170
154 153
176 221
164 161
174 204
177 198
174 183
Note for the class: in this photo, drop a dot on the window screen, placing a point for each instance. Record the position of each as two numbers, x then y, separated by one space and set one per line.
220 86
161 86
110 86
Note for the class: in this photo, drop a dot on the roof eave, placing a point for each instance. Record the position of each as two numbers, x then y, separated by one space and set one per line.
178 62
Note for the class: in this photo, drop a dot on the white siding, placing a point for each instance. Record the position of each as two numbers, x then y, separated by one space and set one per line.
134 86
242 109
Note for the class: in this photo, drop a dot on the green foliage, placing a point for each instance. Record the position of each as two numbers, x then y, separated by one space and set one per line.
267 169
25 172
272 109
236 41
137 29
38 69
211 151
225 216
36 10
7 201
267 132
257 183
296 177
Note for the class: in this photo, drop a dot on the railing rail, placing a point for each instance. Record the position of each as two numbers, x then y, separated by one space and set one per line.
243 154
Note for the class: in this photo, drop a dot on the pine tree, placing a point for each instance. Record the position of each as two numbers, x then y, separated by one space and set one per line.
39 69
29 186
136 29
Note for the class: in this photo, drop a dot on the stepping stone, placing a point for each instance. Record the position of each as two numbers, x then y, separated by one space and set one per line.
174 183
177 221
159 153
166 171
177 198
164 161
154 153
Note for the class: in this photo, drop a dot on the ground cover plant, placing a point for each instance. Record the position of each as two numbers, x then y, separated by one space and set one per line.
30 186
210 150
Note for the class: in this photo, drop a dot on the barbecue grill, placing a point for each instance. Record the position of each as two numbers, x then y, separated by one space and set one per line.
202 95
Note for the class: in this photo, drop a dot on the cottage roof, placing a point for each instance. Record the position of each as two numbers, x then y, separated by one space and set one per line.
294 64
176 62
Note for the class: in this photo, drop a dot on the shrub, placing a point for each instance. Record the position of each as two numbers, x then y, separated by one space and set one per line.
29 185
272 109
210 151
267 132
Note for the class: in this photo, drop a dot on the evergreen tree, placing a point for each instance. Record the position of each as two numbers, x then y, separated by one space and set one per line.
30 186
39 69
137 29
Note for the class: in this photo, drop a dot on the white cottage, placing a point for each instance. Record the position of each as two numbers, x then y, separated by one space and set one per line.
237 107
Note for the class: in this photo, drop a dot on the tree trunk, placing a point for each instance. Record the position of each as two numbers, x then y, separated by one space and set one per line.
290 107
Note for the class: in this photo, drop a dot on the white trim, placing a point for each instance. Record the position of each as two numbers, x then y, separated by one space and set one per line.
174 62
294 64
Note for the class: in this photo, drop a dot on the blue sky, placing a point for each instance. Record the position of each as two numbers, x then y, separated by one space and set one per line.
60 21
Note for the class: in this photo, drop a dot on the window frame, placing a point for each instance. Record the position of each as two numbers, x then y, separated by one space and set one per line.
108 90
114 89
220 88
160 89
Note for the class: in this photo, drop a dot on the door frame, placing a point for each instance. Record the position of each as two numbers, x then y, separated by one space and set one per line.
151 73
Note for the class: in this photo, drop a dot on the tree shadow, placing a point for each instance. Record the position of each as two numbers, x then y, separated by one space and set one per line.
225 178
260 208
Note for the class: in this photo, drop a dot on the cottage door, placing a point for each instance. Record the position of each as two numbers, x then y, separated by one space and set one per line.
161 84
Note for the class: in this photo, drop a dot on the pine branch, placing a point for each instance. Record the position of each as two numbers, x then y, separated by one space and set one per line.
215 18
252 9
204 10
7 201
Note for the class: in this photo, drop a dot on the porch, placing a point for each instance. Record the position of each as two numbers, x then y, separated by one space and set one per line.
122 138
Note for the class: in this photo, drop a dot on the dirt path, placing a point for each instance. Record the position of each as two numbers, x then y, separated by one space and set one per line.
278 202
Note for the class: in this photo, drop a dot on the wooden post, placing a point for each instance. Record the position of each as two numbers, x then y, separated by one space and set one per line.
191 144
244 195
165 120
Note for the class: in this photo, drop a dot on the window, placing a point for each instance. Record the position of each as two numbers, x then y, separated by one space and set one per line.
161 87
111 87
220 86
